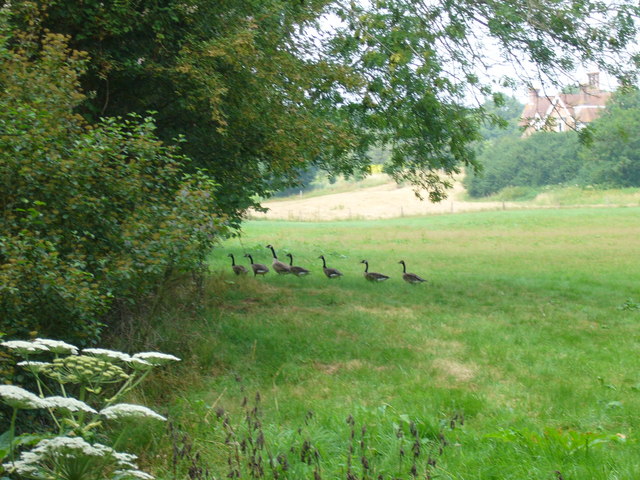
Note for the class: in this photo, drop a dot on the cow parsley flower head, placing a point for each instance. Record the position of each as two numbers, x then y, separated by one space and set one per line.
66 445
125 459
85 369
156 358
57 346
126 410
105 354
52 455
68 404
35 367
18 397
70 447
25 467
132 474
139 364
24 348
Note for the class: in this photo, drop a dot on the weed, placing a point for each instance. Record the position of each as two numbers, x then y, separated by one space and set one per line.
360 452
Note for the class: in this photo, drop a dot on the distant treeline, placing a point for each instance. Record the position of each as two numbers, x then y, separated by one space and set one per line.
606 155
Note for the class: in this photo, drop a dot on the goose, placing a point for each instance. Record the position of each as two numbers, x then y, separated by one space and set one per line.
373 276
329 272
280 267
237 269
297 271
258 268
411 278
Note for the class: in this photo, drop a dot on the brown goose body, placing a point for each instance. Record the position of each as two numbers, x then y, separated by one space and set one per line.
373 276
329 272
296 270
411 278
258 268
280 267
237 269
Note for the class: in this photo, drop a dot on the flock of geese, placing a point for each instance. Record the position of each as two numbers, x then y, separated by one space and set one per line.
282 268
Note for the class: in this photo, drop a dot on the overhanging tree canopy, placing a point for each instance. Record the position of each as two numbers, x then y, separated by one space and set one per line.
260 88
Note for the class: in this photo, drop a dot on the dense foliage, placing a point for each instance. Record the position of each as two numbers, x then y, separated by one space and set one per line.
260 88
545 158
508 112
614 158
89 213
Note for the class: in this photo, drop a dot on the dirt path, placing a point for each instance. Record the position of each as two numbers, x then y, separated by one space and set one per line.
383 201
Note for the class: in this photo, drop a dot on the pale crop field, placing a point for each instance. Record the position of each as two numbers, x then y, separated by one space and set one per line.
518 359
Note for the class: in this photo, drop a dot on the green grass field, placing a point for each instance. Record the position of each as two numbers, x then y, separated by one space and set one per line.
517 360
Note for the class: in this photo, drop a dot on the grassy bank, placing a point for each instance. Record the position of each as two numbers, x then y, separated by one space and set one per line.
565 196
518 359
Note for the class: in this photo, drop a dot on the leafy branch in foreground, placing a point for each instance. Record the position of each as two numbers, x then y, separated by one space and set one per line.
81 393
262 88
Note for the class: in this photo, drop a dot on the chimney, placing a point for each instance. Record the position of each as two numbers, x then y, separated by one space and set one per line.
533 96
594 80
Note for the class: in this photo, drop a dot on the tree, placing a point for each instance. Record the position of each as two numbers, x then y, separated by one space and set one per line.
507 111
614 156
259 88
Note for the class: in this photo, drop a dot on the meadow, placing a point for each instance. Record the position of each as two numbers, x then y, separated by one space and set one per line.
518 359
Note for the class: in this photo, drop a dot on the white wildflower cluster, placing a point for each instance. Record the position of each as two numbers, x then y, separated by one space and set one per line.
71 447
156 358
22 347
131 474
126 410
68 404
96 371
40 345
138 361
85 369
18 397
57 346
35 367
53 452
108 355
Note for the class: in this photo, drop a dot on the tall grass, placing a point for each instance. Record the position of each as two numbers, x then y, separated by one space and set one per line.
524 330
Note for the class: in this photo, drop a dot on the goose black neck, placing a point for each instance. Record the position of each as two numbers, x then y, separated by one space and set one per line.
233 260
324 262
366 266
273 251
404 267
290 259
250 258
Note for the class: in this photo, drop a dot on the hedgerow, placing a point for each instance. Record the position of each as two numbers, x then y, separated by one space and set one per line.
89 213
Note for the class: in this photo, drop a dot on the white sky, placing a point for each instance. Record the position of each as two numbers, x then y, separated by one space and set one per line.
500 68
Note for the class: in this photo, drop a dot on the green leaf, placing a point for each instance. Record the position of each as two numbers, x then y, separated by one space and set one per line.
5 444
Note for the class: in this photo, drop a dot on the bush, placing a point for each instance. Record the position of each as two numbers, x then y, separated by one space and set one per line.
540 160
89 213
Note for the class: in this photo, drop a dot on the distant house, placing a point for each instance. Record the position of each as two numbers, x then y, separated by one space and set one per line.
564 111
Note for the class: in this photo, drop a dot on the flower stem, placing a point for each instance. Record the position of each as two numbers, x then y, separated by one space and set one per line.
12 429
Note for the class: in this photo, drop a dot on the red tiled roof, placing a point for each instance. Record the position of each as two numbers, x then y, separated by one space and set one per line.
585 106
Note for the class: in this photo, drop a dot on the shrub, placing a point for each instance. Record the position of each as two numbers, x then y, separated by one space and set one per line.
89 213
